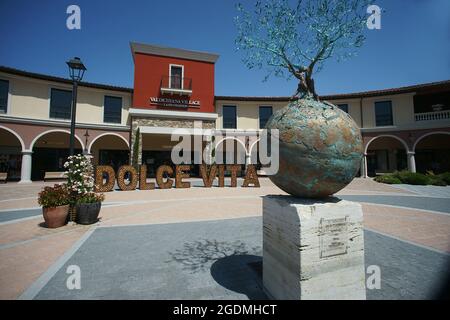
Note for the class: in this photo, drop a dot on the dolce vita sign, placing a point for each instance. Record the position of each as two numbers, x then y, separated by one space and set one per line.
164 175
169 176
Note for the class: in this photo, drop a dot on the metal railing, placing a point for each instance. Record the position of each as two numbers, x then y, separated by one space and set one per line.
430 116
176 82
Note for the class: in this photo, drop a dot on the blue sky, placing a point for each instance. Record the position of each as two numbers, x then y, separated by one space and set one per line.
412 47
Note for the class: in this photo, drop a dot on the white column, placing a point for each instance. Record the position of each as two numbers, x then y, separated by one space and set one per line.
207 152
364 166
248 159
411 161
25 172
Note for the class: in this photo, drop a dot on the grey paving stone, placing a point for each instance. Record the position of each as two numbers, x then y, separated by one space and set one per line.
25 213
218 260
426 203
19 214
407 271
432 191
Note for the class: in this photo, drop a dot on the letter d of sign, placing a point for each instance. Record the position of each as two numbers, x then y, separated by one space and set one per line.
100 171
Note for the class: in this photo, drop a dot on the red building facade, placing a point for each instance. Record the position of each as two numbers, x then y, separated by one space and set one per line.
173 79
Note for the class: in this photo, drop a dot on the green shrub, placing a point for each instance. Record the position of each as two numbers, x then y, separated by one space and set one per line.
387 178
414 178
445 176
55 196
437 181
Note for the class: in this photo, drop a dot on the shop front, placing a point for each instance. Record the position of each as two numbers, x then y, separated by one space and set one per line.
173 90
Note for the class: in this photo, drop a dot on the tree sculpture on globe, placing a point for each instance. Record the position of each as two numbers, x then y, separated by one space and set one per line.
320 146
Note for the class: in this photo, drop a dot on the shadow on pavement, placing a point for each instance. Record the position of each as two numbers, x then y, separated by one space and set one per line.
240 273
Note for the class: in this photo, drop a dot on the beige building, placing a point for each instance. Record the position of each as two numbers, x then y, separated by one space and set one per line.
402 128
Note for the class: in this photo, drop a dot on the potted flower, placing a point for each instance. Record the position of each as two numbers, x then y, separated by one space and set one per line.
88 207
55 205
80 182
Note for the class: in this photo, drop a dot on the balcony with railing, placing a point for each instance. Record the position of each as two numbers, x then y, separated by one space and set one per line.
176 85
433 116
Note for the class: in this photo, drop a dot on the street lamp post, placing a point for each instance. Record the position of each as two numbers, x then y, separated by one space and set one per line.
86 136
76 72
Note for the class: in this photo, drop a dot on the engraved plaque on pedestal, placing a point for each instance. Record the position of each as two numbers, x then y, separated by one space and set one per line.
333 235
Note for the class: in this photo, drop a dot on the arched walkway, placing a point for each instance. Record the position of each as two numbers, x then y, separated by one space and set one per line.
65 141
432 152
110 149
5 140
230 147
11 147
405 145
385 153
50 151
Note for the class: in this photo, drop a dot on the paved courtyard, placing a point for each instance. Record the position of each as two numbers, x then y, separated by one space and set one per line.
202 243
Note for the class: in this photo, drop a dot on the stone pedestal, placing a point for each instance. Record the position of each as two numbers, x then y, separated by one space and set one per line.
313 249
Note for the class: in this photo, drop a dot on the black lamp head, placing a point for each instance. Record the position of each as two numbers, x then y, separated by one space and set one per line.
76 69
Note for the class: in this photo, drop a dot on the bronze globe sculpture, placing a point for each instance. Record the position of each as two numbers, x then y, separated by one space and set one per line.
320 148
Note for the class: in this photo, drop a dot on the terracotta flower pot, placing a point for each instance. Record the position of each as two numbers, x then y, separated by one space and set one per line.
87 213
55 217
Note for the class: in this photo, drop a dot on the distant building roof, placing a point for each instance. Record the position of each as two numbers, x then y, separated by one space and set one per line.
425 88
62 80
419 89
173 52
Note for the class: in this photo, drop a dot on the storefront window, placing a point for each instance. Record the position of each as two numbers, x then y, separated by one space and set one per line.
383 113
60 104
265 112
229 117
112 110
343 107
4 89
113 158
10 161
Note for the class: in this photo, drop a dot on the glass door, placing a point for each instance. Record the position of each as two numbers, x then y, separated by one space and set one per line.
176 77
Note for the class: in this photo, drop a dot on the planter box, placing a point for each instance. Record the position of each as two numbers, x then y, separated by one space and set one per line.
55 217
87 213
